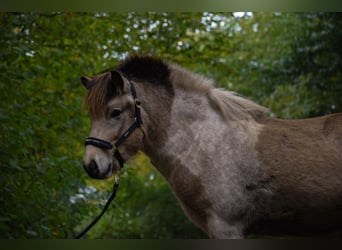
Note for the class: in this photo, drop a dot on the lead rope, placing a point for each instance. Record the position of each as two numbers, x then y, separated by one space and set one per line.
106 206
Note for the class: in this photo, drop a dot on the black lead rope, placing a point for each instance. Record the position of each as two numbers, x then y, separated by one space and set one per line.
110 199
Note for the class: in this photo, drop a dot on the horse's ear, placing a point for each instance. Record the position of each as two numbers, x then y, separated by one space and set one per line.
118 80
85 80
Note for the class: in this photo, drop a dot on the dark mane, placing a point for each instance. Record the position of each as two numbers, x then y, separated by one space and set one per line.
142 69
146 68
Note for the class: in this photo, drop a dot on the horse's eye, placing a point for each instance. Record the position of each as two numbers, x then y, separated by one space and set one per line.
115 113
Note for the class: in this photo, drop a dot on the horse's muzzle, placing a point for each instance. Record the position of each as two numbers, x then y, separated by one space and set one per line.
93 170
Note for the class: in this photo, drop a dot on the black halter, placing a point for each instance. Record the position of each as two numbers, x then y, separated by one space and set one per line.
115 144
110 145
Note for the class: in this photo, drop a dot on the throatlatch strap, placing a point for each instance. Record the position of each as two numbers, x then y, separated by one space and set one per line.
119 158
137 105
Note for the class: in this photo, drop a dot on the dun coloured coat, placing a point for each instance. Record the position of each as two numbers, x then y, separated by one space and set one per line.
233 169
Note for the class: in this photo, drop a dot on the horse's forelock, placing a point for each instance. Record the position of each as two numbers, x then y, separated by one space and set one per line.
101 91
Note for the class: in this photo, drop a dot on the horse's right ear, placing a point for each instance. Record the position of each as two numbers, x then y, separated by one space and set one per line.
118 80
85 80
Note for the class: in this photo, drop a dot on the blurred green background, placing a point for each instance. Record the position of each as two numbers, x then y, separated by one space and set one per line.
289 62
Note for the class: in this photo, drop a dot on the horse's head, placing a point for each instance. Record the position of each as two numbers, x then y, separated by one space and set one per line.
115 114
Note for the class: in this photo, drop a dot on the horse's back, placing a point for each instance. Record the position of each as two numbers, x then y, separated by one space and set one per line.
333 130
302 140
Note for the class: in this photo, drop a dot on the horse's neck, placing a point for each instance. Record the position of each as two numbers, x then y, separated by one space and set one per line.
193 133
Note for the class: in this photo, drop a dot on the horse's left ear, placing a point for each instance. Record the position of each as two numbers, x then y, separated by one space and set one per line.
118 80
85 80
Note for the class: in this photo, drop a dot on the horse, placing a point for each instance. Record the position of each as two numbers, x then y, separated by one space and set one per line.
234 169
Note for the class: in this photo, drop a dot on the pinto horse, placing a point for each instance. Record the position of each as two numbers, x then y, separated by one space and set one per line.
233 169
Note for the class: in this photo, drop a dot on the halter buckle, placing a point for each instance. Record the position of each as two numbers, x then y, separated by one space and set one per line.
137 103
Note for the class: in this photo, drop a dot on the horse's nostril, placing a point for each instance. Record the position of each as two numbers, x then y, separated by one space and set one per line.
92 169
93 165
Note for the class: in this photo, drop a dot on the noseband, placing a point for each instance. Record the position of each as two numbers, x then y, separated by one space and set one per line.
115 144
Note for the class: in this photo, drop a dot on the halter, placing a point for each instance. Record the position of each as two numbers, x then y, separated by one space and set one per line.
115 144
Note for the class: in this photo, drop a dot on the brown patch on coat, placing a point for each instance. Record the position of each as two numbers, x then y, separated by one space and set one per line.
305 159
189 191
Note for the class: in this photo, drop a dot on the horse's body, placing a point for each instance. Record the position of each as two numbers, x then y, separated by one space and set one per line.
233 169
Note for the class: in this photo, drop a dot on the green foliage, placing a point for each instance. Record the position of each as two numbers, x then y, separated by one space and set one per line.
39 124
289 62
